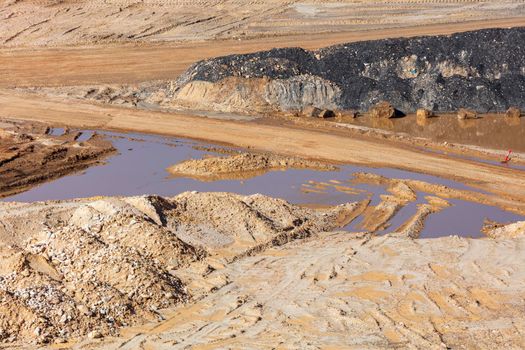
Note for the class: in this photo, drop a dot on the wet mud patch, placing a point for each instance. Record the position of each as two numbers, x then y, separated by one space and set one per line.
32 154
490 131
140 168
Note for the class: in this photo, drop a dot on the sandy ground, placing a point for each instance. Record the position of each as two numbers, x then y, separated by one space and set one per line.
179 272
30 156
237 271
135 63
241 166
339 291
91 266
507 183
84 22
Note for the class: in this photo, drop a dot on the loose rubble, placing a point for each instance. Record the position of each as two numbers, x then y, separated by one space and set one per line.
89 267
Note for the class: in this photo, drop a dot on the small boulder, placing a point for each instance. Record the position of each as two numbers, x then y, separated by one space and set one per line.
513 112
326 113
311 111
423 113
382 110
464 113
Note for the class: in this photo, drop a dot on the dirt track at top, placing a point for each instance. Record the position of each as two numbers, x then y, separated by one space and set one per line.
135 63
509 183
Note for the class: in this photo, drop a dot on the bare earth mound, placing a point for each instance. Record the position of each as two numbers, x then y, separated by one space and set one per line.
242 166
93 266
480 70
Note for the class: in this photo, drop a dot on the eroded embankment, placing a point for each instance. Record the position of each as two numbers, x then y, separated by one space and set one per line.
482 70
30 156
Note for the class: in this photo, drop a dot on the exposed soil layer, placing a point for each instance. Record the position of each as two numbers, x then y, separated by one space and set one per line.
111 64
89 267
481 70
242 166
30 156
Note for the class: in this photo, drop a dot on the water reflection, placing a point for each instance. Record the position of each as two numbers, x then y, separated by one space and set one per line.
139 168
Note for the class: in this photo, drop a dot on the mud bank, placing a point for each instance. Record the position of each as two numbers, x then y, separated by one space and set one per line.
482 70
80 267
31 155
242 166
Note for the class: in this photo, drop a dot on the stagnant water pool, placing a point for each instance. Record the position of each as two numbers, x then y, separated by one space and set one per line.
140 168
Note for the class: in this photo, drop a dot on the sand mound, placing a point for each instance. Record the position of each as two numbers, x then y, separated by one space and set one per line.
69 268
242 166
499 231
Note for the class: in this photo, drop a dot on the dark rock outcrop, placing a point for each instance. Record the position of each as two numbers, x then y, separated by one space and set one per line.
481 70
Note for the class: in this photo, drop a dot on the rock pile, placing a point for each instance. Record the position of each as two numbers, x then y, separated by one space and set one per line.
480 70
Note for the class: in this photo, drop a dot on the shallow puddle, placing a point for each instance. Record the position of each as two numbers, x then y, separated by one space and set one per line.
489 131
56 131
462 218
140 168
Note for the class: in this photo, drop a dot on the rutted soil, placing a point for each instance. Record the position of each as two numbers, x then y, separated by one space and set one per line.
90 267
443 191
341 290
91 22
242 166
224 269
30 156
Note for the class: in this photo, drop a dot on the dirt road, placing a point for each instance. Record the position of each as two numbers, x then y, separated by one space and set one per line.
510 183
150 61
85 22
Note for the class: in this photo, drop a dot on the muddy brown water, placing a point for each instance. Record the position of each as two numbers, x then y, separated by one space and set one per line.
140 168
493 131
